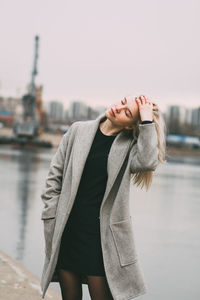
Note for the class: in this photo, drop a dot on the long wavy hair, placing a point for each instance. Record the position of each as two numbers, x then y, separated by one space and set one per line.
142 179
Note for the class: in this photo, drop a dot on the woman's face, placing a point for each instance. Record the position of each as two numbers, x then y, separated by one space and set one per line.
124 112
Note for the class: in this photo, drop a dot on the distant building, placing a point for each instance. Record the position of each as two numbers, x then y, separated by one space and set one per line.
9 103
55 111
78 111
100 109
6 117
92 113
183 115
9 107
196 117
176 114
188 116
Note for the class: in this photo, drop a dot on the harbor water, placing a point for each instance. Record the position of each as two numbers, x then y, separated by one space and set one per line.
166 221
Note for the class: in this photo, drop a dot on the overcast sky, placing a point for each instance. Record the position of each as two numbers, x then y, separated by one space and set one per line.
100 51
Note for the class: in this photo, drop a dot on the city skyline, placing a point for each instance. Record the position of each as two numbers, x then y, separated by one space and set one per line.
100 52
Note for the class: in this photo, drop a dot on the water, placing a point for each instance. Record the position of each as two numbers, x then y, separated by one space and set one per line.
166 221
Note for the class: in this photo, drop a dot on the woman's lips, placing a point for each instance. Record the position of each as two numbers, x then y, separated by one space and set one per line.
112 112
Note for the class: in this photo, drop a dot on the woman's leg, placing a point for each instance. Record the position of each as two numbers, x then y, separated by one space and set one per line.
70 284
98 288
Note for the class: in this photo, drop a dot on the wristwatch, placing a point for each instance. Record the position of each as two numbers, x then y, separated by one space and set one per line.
146 122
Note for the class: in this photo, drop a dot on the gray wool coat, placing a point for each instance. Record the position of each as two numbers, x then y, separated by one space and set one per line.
122 267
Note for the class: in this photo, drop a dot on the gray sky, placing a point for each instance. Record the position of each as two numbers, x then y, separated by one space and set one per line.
100 51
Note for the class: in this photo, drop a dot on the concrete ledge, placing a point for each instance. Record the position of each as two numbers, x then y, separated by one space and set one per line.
17 283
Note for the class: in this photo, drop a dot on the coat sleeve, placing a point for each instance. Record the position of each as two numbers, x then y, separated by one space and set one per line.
144 154
51 191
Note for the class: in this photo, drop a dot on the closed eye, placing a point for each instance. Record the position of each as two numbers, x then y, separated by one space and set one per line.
122 102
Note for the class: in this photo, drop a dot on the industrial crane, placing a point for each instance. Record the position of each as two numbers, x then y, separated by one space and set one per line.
29 127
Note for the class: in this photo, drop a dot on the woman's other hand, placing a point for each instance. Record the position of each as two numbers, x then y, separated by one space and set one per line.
145 108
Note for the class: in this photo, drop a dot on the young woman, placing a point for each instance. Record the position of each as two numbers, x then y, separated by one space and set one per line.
87 222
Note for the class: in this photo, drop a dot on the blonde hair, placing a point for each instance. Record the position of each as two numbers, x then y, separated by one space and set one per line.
145 178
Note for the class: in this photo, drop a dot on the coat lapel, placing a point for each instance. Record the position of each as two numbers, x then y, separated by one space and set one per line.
116 157
82 144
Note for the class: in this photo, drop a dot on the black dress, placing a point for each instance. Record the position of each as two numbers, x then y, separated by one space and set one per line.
80 249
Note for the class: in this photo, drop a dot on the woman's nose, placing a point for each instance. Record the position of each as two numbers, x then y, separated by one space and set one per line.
118 107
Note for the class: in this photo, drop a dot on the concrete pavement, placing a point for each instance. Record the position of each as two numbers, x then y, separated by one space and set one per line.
17 283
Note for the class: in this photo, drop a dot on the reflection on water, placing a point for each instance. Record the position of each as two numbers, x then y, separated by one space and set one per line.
27 161
166 221
22 173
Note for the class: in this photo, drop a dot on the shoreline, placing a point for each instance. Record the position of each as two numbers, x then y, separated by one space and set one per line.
18 283
184 152
55 139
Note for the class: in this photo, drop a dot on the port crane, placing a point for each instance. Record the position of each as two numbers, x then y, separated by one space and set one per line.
29 127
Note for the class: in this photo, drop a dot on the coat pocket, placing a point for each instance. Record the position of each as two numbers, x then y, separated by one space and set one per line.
124 241
49 211
49 225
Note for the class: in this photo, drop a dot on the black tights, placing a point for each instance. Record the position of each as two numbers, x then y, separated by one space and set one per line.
71 286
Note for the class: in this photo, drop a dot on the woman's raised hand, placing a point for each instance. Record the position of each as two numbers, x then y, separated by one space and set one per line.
145 108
